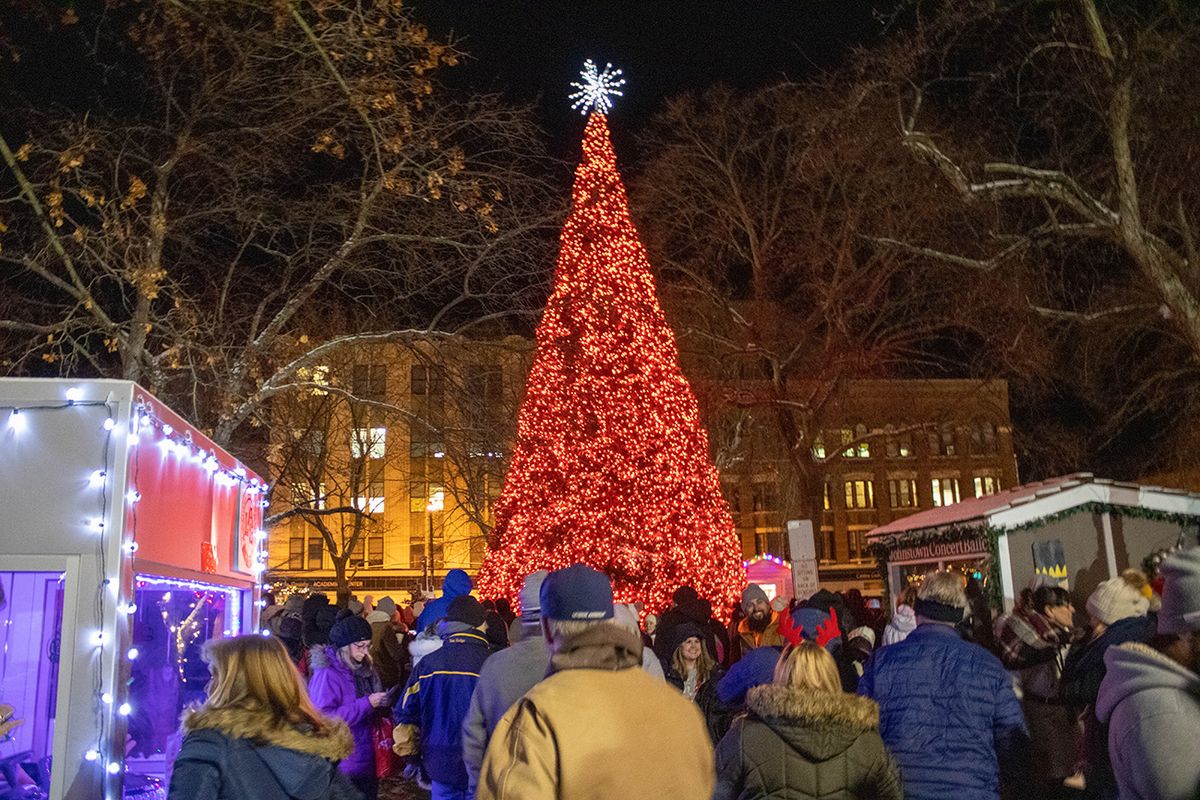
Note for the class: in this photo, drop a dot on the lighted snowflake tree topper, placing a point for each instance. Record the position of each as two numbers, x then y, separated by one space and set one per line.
597 88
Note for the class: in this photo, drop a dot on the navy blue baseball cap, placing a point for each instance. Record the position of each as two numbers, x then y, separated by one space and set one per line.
577 592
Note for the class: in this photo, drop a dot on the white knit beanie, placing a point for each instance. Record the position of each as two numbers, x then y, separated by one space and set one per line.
1115 599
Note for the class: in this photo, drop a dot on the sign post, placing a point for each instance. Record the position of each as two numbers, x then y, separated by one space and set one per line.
805 581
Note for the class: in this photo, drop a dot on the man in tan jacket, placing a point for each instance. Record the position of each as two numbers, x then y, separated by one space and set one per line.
599 726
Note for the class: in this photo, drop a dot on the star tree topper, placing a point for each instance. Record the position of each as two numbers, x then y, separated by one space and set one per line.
597 88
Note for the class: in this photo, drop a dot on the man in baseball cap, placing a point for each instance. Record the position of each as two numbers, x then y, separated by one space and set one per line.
1150 697
598 726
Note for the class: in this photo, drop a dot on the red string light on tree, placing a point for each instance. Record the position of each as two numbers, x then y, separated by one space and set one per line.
611 466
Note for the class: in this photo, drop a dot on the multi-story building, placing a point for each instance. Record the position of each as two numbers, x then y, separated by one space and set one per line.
423 444
883 449
393 459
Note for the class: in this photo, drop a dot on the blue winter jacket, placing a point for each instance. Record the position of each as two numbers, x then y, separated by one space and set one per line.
947 713
436 700
456 583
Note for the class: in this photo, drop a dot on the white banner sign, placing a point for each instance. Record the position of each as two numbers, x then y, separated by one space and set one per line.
805 581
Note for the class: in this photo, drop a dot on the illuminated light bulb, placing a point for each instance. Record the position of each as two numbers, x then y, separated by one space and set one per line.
16 421
131 547
144 421
134 438
98 638
92 755
127 608
107 698
113 768
167 430
108 424
166 445
265 632
260 534
124 709
74 394
133 495
166 597
97 478
262 603
96 523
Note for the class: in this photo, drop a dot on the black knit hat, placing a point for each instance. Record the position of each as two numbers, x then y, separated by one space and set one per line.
350 630
466 608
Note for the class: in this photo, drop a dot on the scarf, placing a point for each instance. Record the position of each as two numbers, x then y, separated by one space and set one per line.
1028 638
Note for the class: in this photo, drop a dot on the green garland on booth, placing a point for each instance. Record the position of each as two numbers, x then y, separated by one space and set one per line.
990 536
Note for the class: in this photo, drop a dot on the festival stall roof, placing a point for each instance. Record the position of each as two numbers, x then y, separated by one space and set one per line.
990 520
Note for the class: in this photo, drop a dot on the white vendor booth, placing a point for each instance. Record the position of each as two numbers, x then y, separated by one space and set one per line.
1078 529
127 540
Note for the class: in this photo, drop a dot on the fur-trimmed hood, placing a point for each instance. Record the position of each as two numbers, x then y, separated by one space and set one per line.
819 725
334 744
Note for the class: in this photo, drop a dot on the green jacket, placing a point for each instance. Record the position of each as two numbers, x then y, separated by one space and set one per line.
805 745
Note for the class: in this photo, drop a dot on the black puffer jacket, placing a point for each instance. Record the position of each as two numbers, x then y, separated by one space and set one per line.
804 745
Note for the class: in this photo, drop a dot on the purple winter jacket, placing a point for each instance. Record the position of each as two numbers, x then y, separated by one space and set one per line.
333 692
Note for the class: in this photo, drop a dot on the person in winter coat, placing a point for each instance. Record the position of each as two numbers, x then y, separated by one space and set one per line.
904 621
258 735
1150 695
429 716
625 615
598 727
1117 611
759 627
345 686
387 653
456 584
947 709
1033 641
805 738
505 678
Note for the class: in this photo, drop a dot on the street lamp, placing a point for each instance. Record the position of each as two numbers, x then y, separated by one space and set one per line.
437 502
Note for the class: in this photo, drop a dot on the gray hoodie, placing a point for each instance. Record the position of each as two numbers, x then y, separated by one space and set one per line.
1152 707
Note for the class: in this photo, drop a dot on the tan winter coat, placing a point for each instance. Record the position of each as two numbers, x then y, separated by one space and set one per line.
599 734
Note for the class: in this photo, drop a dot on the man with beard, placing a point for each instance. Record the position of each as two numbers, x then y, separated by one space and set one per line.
759 628
1150 695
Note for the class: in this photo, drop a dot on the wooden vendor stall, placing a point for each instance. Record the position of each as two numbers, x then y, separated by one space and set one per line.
127 540
1077 528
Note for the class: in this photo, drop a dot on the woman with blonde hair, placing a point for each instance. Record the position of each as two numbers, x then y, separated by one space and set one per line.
803 737
258 735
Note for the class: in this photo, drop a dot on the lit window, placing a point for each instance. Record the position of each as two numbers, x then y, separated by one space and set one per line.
983 440
316 551
818 448
369 441
860 494
985 485
945 491
903 492
941 443
373 504
900 446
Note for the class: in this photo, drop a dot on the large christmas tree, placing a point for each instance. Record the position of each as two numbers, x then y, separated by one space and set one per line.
611 466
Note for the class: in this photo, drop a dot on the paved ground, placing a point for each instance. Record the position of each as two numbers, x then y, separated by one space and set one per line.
401 789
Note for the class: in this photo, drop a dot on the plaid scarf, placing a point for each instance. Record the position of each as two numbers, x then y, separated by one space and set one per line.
1027 638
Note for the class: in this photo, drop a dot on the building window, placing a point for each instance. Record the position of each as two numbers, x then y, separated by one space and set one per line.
368 551
373 500
371 442
818 448
985 485
425 380
903 492
423 492
858 446
296 552
733 496
316 551
309 441
828 545
900 446
941 443
945 491
485 383
983 440
860 494
826 498
369 382
425 441
765 496
858 543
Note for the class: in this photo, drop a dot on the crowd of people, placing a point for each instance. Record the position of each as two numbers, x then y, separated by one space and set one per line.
581 697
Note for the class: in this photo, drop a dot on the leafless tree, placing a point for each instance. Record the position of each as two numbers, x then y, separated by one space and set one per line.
255 180
760 208
1075 125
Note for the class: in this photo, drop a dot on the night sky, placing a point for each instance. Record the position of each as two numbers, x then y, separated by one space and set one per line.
532 49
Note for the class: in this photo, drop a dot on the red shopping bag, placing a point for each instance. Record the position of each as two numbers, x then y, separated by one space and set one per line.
385 759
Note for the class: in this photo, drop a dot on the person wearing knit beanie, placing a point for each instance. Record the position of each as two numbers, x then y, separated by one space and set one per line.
350 630
1116 599
751 595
